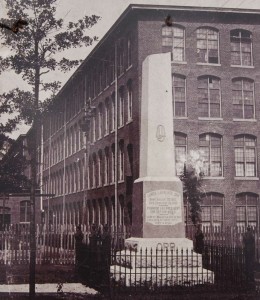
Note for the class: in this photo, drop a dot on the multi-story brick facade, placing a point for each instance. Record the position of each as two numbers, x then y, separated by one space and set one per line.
216 92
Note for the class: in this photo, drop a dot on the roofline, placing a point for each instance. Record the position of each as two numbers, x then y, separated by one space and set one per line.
132 7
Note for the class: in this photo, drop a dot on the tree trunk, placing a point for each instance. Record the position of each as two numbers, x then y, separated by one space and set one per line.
35 130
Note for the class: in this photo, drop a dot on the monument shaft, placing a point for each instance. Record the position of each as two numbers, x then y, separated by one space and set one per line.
157 198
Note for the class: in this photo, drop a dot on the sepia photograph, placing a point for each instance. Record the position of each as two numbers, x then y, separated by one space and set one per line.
129 149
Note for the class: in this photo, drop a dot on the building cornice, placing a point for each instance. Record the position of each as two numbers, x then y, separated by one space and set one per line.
138 7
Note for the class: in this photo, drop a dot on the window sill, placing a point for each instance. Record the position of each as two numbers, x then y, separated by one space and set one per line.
213 177
99 186
247 178
245 120
106 134
129 121
208 64
180 118
106 184
121 75
210 119
128 68
121 126
241 66
120 181
112 131
179 62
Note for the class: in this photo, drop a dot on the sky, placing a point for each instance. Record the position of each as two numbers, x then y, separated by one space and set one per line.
109 11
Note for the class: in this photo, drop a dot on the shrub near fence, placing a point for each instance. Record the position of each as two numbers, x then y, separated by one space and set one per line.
231 236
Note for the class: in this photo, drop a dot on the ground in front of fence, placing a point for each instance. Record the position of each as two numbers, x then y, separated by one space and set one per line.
18 274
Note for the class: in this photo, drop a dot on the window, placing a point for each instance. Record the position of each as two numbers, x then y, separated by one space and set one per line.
89 173
113 163
180 142
106 72
94 171
209 95
174 37
121 161
100 79
179 95
94 126
81 174
106 166
121 107
241 47
245 156
129 101
246 209
100 121
207 46
25 211
106 116
113 115
243 98
120 57
212 209
129 51
99 169
211 149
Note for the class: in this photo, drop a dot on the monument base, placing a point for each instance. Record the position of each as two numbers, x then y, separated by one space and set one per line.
159 261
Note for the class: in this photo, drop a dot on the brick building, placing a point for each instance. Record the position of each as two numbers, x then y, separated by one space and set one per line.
95 120
15 198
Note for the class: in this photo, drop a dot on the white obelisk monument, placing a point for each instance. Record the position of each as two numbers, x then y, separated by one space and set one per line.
158 193
157 217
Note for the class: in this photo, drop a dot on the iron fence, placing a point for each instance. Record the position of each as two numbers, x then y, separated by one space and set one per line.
165 271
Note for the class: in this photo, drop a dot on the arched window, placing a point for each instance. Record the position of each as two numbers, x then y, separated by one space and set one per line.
174 37
209 97
247 209
179 95
241 47
243 98
208 45
180 142
121 205
25 211
211 149
5 217
245 156
212 209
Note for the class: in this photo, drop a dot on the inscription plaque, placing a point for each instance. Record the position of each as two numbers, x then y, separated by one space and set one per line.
163 207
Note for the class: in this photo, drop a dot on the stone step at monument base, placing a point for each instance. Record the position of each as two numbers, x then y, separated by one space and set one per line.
130 277
158 258
161 261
